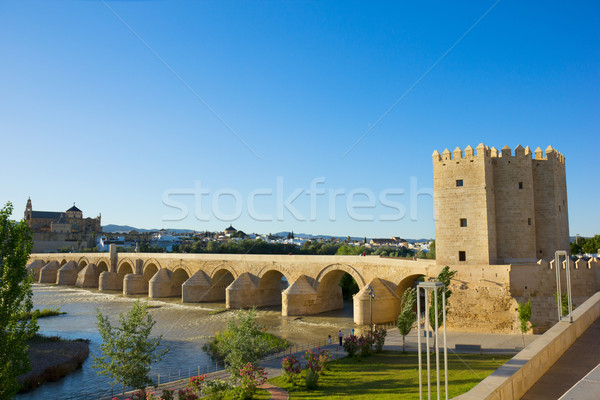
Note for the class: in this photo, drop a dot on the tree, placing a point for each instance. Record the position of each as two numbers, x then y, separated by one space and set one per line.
349 286
444 276
585 245
524 318
15 300
242 341
408 315
127 350
432 249
564 302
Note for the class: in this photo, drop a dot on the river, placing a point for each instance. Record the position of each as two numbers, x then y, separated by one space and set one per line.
185 328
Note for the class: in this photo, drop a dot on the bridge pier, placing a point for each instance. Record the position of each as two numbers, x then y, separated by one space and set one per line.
160 285
88 277
35 268
67 274
300 298
243 292
196 289
134 284
48 272
109 281
386 304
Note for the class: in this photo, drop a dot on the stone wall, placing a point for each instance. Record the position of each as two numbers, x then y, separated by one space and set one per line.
518 375
54 241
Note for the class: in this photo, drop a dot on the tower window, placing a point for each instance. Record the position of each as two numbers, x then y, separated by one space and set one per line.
520 185
462 256
463 222
459 182
528 221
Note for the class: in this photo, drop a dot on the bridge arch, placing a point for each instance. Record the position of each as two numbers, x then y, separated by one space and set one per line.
151 261
272 276
125 267
150 268
327 285
325 275
102 265
63 262
220 278
407 282
219 270
82 263
273 281
178 278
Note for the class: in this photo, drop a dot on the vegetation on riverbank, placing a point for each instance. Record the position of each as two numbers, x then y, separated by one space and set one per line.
244 341
388 375
51 358
43 313
15 299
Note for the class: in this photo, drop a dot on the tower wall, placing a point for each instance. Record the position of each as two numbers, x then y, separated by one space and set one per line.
473 202
508 208
515 208
552 230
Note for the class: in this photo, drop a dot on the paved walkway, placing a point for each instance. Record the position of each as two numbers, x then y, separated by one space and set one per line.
582 357
277 393
490 343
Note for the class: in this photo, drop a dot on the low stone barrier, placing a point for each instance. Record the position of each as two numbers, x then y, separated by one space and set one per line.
518 375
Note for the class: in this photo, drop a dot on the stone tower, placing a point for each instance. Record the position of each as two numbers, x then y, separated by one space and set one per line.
493 207
28 209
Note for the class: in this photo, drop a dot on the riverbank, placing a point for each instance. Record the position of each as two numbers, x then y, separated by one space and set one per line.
51 358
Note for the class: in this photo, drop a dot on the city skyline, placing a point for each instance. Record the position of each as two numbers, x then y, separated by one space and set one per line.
133 109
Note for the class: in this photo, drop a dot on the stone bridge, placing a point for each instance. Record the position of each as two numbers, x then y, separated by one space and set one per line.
302 285
484 297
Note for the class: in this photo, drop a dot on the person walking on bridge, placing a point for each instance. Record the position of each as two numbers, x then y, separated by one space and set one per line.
340 336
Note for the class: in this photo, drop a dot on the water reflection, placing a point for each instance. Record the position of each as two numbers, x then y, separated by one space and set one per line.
185 328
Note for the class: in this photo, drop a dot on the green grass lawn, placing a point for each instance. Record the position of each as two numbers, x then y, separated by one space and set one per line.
390 375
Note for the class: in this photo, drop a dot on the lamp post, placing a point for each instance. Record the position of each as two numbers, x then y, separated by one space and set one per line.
371 297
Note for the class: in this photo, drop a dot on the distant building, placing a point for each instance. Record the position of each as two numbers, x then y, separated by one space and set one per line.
392 242
61 230
230 231
70 221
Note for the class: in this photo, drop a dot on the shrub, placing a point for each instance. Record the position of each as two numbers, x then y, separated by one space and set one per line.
311 379
216 389
141 395
291 367
168 394
187 394
195 384
379 339
250 378
313 361
365 343
351 344
324 358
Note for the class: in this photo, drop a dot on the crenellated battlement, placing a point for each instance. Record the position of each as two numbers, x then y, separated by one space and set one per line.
484 151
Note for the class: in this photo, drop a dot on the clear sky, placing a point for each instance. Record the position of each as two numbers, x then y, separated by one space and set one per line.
198 114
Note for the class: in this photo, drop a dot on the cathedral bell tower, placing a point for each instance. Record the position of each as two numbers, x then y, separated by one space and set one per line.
28 210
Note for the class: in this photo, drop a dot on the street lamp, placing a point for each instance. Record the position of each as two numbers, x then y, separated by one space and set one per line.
371 297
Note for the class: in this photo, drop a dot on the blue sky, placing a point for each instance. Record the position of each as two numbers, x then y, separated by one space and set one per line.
123 106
